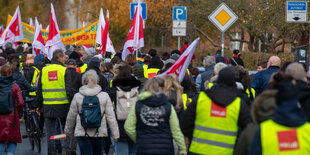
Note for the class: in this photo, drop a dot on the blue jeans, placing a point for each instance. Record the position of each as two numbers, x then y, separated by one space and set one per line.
90 145
125 148
10 148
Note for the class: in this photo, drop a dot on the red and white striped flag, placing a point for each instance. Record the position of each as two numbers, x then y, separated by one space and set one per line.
53 41
103 35
14 32
180 66
38 43
135 37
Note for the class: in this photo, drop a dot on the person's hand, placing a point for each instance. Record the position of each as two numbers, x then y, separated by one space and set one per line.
115 140
39 111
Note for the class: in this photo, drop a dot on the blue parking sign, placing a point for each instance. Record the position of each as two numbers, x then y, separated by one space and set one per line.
133 7
179 13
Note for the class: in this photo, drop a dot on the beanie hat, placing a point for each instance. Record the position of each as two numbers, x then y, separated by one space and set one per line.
138 71
297 71
174 56
236 52
74 55
91 51
39 58
94 63
226 76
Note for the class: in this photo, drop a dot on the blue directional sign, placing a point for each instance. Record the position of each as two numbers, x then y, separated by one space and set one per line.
179 13
296 11
133 7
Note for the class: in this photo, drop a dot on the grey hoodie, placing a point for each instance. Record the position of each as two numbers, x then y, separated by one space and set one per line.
106 108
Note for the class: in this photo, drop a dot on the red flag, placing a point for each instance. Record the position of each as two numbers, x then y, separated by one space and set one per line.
179 67
38 43
53 41
104 35
135 37
13 33
1 30
99 36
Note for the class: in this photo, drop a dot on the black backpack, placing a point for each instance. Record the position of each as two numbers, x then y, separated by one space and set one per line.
6 101
91 113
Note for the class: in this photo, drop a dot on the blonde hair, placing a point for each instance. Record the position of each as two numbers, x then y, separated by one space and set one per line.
154 85
90 78
172 84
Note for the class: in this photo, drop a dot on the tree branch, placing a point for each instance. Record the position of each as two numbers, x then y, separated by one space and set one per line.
204 34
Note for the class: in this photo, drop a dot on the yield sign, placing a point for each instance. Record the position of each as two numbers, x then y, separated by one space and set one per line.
223 17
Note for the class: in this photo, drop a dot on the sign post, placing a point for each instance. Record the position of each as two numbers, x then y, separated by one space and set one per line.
223 17
179 22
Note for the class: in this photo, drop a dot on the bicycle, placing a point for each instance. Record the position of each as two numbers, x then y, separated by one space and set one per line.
32 125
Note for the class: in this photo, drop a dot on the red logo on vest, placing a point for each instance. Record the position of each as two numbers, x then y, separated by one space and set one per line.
217 111
150 75
52 76
288 140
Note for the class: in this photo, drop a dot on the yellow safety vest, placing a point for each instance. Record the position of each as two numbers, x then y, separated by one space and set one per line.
53 84
34 80
279 139
216 127
252 91
185 97
151 72
145 70
82 69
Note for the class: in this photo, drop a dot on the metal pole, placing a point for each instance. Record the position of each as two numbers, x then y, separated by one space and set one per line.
223 43
178 43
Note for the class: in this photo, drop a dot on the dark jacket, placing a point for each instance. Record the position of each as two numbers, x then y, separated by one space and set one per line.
76 78
304 97
125 84
155 140
238 60
9 132
155 62
288 113
28 73
221 95
22 82
55 110
109 76
261 79
262 109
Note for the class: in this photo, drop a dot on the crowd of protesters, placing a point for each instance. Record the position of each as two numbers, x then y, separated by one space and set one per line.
221 110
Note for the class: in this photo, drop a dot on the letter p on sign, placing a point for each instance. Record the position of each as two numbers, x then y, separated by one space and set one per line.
179 13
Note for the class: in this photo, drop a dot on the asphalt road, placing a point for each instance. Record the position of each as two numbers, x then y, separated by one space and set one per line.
24 148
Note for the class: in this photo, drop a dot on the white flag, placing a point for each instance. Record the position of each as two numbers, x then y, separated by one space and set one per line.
38 41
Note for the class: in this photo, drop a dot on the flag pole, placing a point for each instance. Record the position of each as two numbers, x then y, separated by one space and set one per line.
137 48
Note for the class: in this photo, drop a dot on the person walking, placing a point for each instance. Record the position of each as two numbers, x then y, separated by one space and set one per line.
9 122
211 122
90 140
152 122
261 78
54 91
236 59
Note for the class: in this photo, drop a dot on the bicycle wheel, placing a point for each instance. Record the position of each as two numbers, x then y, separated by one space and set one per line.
29 127
36 132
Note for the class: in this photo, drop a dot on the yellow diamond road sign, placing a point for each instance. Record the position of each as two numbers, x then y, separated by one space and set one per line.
222 17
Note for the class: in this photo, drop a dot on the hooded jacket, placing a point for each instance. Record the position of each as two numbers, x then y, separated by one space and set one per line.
73 122
155 62
22 82
262 109
9 132
288 113
221 95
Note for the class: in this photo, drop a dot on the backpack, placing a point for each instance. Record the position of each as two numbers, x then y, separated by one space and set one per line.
220 59
6 101
124 102
91 113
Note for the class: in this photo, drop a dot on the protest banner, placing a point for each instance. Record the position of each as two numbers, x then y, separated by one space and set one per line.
81 36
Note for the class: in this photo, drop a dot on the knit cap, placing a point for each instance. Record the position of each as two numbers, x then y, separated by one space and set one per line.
297 71
226 76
